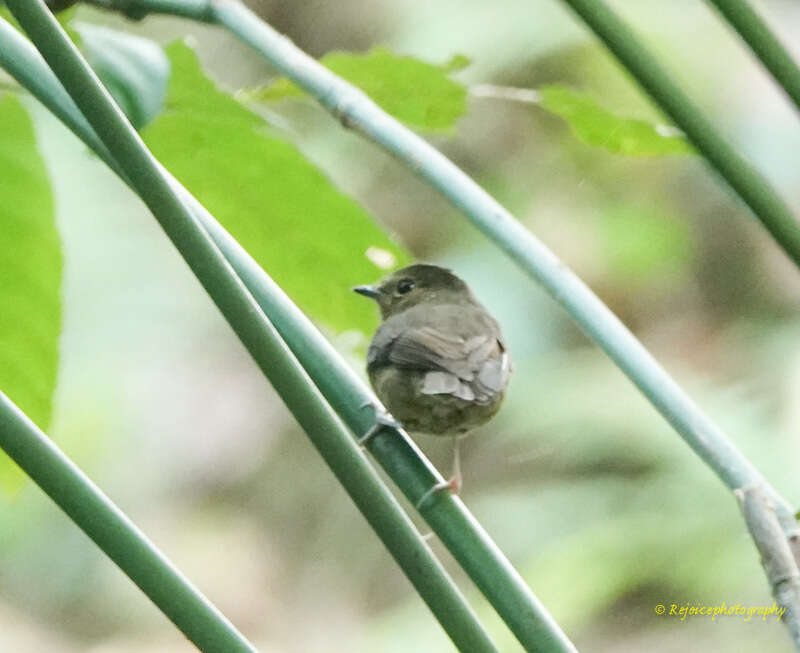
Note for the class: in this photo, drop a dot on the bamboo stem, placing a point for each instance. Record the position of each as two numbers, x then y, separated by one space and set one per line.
764 44
116 535
244 315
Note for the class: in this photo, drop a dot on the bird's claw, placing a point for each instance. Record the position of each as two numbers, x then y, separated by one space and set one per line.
454 485
382 419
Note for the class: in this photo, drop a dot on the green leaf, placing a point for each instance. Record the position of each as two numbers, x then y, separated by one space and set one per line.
313 240
133 69
280 89
456 63
596 126
30 274
413 91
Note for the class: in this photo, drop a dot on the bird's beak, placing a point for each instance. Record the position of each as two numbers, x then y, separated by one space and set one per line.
368 291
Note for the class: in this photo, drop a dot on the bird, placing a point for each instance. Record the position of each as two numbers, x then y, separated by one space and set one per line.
438 360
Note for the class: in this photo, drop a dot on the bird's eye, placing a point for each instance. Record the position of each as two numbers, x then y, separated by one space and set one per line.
404 286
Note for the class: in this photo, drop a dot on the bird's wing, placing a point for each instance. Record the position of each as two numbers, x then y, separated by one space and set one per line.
474 368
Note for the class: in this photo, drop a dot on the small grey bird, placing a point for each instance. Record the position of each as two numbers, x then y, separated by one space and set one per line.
438 361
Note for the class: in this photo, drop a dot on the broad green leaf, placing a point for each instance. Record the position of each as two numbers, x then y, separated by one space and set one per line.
417 93
597 126
313 240
30 274
133 69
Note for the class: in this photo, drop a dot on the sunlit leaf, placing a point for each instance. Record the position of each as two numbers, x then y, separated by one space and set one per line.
597 126
133 69
315 241
417 93
30 274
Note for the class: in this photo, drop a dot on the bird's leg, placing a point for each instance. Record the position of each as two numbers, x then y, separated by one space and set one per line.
455 480
382 419
454 484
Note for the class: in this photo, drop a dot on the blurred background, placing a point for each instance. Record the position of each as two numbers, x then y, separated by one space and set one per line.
595 500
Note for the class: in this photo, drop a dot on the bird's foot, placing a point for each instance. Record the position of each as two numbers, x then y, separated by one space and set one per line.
382 420
454 485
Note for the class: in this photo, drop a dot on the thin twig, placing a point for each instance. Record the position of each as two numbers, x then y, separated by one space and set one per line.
777 557
513 93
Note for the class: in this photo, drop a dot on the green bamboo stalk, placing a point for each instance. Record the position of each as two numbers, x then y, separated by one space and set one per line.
347 104
745 180
726 466
259 336
766 46
116 535
356 111
394 450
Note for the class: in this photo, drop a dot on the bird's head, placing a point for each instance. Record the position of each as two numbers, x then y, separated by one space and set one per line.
414 285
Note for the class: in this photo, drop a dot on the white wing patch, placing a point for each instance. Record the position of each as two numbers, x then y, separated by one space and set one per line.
481 384
444 383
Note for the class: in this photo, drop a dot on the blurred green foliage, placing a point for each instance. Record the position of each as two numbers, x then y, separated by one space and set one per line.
417 93
596 501
643 246
312 239
30 275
